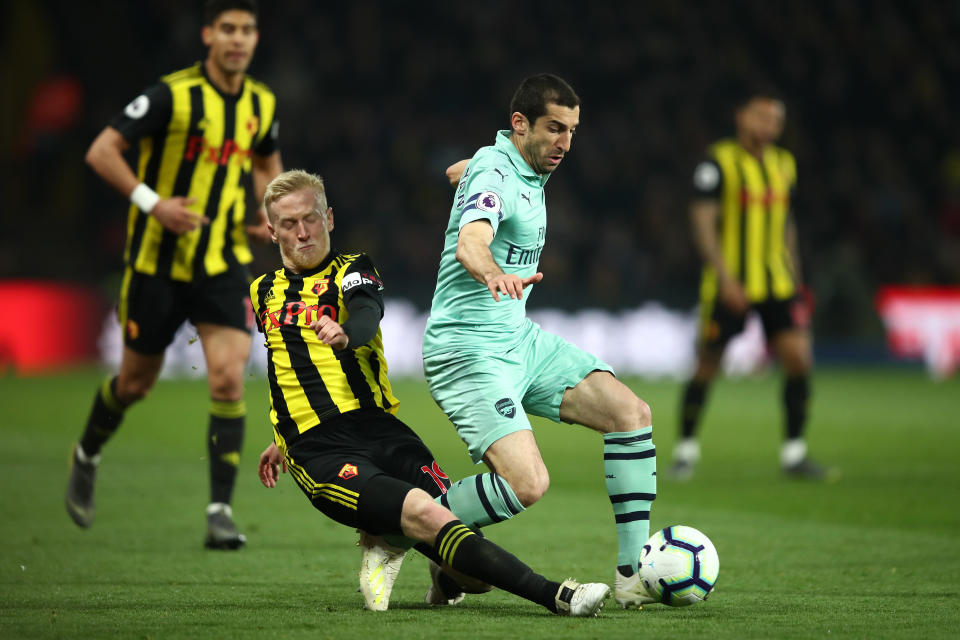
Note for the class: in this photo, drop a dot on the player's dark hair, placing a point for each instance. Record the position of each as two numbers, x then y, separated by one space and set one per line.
213 8
536 92
763 91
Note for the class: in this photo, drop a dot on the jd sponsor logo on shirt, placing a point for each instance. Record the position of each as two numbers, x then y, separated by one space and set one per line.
506 408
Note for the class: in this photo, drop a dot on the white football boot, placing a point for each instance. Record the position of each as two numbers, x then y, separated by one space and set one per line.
436 594
629 591
379 567
581 600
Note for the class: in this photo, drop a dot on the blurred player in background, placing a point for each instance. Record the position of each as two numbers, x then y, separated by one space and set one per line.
743 227
333 413
488 365
202 133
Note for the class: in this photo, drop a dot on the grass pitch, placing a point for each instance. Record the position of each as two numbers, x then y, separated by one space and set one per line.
872 554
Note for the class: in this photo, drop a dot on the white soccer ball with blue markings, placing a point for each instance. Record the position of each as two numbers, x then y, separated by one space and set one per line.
679 566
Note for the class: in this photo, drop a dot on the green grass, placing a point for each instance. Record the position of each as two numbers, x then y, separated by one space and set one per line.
871 555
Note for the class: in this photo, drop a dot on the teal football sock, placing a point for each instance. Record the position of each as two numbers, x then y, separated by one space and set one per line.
480 500
630 465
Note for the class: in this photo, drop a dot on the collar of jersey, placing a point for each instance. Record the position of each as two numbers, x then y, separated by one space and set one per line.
306 273
225 96
505 144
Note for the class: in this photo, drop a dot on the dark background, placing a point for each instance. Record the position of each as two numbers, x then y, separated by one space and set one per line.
380 97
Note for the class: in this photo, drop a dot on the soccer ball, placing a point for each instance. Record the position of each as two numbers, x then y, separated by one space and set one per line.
679 566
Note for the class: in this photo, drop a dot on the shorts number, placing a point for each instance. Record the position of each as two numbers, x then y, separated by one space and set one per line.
438 476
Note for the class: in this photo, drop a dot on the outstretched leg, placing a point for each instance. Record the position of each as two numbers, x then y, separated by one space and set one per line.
605 404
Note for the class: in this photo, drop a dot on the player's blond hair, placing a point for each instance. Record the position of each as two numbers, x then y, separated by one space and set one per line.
291 181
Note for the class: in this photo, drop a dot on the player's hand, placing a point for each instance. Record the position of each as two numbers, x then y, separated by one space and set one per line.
330 332
510 284
455 171
174 215
259 232
734 297
270 463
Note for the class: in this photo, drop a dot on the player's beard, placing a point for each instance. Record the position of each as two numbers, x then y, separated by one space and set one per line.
230 66
537 153
302 260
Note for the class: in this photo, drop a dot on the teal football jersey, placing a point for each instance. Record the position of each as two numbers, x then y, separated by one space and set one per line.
498 186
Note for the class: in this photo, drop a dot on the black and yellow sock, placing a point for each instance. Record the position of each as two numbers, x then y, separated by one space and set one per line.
796 395
694 397
224 441
479 558
104 419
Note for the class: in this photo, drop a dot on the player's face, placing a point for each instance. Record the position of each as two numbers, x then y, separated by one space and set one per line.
761 121
300 229
232 38
546 142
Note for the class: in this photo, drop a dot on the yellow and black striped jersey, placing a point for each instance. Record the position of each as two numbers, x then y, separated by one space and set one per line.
196 141
754 198
309 381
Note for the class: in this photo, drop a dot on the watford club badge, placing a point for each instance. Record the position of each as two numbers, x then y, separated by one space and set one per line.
321 287
348 471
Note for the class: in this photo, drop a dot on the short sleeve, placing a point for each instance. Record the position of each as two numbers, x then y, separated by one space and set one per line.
361 277
480 196
271 141
707 179
148 114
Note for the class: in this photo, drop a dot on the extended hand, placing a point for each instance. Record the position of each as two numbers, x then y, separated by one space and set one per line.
733 297
270 461
174 215
511 284
330 332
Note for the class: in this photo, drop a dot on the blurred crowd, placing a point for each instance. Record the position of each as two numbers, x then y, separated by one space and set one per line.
381 97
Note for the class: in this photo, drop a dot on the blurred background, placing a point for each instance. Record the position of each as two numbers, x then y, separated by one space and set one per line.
379 97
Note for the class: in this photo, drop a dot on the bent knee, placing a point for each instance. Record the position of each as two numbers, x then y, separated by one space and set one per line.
531 488
634 414
644 416
133 389
226 384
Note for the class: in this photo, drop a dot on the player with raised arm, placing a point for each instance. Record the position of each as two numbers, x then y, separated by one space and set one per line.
488 365
333 412
203 135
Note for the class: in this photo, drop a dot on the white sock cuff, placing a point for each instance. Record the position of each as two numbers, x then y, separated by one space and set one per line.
687 450
84 458
793 452
219 507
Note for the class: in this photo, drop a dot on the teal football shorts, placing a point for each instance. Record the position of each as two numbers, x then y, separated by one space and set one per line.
488 395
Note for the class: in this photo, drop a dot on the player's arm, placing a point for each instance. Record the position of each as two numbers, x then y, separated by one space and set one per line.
473 252
365 314
265 169
793 247
361 290
455 171
105 157
704 213
270 463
